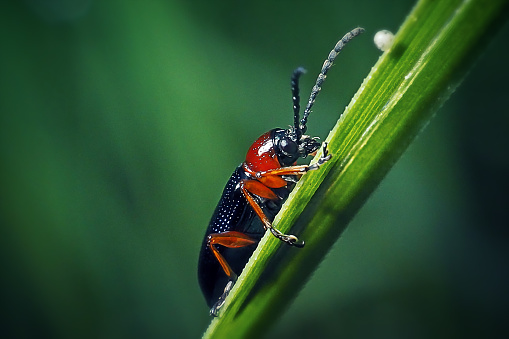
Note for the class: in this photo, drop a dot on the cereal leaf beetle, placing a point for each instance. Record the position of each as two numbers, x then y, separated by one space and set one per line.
256 191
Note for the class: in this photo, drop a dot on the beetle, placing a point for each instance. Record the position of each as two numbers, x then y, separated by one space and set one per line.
255 192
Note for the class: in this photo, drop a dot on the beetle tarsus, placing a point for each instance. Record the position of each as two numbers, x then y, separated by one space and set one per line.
323 159
290 239
298 243
220 302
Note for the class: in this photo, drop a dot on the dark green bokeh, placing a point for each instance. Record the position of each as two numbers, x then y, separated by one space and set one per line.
120 124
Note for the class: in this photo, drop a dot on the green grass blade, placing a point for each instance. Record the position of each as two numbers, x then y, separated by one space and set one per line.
433 51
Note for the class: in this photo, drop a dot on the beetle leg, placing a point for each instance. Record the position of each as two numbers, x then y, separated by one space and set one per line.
260 189
288 238
323 159
297 170
220 302
231 239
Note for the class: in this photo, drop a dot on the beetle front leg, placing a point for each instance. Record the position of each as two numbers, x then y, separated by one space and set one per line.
323 159
296 170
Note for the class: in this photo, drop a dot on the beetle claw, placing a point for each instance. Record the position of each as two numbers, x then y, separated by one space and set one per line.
298 243
287 238
293 241
323 159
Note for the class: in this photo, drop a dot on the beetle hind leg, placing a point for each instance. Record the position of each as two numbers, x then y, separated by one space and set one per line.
220 302
229 239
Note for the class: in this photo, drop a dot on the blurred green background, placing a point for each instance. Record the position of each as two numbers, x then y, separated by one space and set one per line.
121 121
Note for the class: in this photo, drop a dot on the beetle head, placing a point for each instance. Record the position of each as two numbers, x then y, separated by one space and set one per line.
289 148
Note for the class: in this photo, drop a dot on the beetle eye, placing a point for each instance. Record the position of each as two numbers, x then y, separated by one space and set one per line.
288 147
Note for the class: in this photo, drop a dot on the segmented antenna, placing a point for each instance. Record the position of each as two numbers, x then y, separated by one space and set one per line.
296 100
323 73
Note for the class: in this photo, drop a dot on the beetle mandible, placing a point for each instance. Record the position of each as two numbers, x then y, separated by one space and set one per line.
256 191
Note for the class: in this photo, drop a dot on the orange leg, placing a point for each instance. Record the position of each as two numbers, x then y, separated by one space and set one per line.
293 170
265 180
229 239
262 191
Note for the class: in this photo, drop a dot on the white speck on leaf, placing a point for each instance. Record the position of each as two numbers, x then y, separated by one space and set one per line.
384 40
